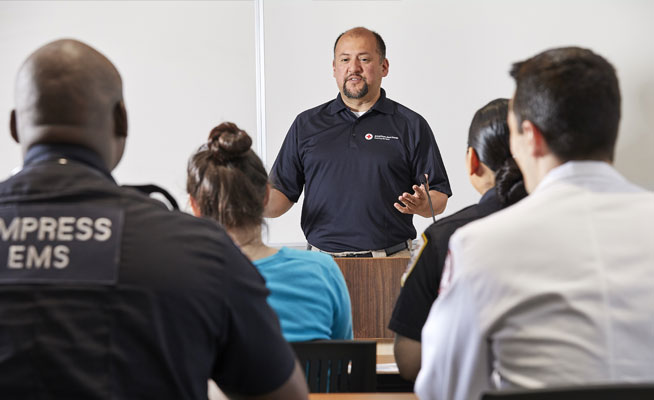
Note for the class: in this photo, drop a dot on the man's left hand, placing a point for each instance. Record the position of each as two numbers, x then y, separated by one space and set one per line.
418 203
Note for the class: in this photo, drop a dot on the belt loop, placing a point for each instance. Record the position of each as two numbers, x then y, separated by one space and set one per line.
378 253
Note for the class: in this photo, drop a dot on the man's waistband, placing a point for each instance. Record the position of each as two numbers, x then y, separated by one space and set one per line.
367 253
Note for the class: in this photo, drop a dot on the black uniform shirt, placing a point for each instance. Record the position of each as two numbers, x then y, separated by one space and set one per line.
353 169
104 293
423 278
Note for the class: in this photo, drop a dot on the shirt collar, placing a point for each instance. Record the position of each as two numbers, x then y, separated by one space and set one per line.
383 104
490 195
596 176
45 152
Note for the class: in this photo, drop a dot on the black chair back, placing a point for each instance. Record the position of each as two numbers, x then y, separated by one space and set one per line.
624 391
338 365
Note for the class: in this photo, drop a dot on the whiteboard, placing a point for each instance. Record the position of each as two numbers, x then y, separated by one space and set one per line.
449 58
189 65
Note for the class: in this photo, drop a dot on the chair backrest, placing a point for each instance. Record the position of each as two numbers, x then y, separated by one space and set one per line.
338 365
623 391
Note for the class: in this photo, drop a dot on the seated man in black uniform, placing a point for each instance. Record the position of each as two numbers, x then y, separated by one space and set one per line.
105 293
495 175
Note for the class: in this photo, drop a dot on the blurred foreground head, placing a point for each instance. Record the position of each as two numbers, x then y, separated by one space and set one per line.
68 93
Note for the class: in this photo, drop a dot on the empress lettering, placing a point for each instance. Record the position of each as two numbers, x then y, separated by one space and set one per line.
63 229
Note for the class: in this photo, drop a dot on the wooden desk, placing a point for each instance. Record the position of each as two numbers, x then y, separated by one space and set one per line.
362 396
374 284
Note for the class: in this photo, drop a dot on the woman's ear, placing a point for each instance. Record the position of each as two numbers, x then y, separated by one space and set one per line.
194 206
472 161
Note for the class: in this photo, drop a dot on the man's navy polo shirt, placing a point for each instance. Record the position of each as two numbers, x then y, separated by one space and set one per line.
353 170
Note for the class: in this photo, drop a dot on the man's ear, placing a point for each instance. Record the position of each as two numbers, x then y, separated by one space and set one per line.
194 206
472 161
385 66
12 126
535 141
120 119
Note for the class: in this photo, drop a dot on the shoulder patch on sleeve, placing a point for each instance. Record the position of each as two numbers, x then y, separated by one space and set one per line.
446 278
415 255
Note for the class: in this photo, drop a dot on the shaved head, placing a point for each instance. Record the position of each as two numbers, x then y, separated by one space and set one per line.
361 31
67 92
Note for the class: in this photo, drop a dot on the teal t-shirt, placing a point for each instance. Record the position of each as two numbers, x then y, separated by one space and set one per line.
308 293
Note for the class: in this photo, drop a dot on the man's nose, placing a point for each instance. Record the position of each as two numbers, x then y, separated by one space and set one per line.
354 66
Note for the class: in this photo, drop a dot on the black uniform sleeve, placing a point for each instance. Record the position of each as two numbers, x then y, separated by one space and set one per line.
287 173
420 289
254 357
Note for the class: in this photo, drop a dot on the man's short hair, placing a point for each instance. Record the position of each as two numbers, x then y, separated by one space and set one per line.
573 97
381 46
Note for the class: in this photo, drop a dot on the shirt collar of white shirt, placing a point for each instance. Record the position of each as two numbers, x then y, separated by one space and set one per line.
596 176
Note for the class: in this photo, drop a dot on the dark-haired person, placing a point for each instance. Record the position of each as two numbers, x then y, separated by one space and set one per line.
359 160
228 182
494 174
555 290
105 294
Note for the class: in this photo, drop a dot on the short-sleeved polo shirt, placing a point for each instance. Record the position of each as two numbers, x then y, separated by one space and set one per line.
353 169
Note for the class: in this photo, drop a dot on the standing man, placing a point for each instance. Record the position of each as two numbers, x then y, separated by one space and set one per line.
555 290
104 293
357 158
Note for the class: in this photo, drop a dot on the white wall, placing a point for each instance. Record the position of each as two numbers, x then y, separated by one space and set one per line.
186 66
189 65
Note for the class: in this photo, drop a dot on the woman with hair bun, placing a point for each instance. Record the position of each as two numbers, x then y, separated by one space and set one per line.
226 181
495 175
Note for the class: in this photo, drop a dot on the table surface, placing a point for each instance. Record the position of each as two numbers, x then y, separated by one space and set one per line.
362 396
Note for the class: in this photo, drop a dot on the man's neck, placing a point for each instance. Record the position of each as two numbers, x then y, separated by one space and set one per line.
541 168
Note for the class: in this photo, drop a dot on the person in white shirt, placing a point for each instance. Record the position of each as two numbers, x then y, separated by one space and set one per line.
556 290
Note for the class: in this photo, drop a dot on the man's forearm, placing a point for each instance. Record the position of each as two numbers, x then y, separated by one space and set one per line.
438 200
277 204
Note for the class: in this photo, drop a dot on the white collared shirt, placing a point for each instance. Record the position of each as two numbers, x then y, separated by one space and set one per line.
555 290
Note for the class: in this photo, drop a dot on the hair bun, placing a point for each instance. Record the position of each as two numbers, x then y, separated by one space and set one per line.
227 141
509 183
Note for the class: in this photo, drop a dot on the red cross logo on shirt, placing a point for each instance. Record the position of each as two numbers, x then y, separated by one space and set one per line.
368 136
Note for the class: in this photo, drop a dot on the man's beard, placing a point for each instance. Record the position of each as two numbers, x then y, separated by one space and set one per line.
362 92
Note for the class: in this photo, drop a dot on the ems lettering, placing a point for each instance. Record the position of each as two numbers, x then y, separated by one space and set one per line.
27 257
